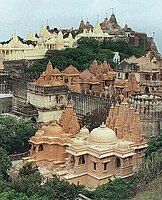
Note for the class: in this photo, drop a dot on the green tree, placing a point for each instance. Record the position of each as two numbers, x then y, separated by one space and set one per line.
15 133
154 145
11 194
60 190
94 119
114 190
151 168
28 169
5 163
28 185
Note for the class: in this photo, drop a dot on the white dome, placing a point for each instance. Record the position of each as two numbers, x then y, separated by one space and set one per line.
123 144
78 142
84 131
102 134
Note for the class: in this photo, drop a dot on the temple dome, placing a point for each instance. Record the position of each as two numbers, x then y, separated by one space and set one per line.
78 142
53 130
123 144
84 131
102 134
39 133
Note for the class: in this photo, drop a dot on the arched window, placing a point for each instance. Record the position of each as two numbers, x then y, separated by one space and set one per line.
33 119
154 77
40 147
147 77
81 160
66 80
34 147
72 159
105 166
118 163
94 165
126 75
147 90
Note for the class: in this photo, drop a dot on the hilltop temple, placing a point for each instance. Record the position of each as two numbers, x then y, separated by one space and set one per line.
36 45
17 49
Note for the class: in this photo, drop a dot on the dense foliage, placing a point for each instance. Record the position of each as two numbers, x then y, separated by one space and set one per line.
85 53
30 186
15 133
154 145
94 119
5 163
115 190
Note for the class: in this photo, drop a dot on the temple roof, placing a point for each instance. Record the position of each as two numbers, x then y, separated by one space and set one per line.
95 69
86 75
56 71
81 25
113 18
69 121
97 29
120 83
49 78
71 70
106 66
102 135
126 122
53 130
132 85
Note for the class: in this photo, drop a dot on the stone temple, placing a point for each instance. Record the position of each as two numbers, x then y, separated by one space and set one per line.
91 158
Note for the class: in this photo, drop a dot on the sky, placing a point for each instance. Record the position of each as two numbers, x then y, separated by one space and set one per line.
21 16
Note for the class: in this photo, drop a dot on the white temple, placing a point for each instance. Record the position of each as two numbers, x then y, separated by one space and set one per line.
36 46
16 50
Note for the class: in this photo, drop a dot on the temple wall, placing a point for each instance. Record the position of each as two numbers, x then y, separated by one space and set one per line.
86 103
48 101
150 114
29 54
151 127
49 115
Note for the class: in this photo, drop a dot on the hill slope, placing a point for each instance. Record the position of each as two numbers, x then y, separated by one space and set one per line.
153 191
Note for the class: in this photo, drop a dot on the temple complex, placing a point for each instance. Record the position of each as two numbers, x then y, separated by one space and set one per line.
16 49
36 45
149 107
147 71
91 158
49 93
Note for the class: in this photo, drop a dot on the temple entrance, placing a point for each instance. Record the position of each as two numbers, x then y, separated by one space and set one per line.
117 163
126 75
81 160
147 91
72 161
154 78
147 77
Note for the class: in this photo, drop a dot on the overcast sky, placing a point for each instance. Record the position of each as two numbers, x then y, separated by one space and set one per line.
21 16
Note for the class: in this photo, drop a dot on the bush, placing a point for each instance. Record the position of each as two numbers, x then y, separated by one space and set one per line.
15 133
